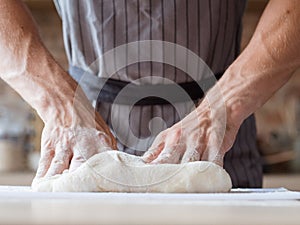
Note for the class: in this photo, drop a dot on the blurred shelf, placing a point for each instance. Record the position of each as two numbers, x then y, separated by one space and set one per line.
289 181
16 178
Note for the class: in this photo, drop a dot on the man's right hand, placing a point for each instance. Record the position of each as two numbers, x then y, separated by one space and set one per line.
68 147
73 133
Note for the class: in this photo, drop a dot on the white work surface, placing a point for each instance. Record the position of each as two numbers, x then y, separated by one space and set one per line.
18 205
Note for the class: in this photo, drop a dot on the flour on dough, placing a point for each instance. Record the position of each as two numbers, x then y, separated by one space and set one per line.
115 171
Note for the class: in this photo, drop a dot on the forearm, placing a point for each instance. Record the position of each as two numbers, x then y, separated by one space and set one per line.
267 62
28 67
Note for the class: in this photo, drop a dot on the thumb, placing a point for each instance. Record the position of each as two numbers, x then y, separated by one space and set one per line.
154 151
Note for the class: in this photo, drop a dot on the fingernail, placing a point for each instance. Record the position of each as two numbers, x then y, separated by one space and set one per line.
145 159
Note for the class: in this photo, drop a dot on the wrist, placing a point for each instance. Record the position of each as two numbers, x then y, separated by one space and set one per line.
234 95
239 92
52 97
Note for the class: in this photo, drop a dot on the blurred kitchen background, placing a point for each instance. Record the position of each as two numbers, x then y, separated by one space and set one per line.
278 122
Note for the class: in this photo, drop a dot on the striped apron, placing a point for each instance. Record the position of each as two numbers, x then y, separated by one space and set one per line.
210 29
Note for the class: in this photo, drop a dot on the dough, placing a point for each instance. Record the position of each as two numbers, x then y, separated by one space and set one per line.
115 171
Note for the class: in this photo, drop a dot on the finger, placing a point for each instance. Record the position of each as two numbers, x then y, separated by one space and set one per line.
170 154
152 153
190 155
213 152
155 149
173 149
60 162
79 157
45 162
195 147
213 155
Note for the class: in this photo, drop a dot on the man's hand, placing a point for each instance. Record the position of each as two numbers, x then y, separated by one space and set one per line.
73 133
205 134
68 147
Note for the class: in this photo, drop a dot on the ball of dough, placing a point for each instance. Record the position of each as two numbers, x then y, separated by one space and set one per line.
115 171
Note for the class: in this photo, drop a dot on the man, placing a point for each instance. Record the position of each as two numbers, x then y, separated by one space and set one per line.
210 29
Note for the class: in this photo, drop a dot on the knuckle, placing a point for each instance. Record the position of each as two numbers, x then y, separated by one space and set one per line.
79 158
177 131
48 153
46 143
175 135
196 137
165 155
59 162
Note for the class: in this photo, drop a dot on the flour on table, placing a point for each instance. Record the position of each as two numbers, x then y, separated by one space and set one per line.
115 171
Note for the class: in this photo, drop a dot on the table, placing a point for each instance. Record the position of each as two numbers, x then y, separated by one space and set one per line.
18 205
